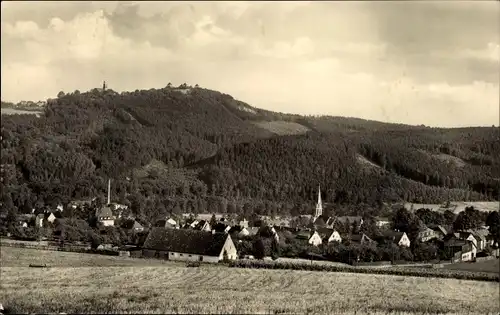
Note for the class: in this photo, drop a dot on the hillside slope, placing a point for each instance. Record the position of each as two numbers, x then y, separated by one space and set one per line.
229 156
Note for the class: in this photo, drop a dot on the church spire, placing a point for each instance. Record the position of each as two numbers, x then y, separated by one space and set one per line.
319 206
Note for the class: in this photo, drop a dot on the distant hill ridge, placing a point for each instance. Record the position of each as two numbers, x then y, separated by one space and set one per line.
234 155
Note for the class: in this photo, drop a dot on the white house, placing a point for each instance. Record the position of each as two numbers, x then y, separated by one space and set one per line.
172 221
399 238
382 222
468 236
51 218
189 245
312 237
248 231
39 220
427 234
330 235
243 223
105 216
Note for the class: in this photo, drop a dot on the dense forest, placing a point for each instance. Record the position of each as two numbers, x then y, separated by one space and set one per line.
185 149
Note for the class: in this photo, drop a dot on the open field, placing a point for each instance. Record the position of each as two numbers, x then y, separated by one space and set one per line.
173 288
14 111
282 127
492 266
458 206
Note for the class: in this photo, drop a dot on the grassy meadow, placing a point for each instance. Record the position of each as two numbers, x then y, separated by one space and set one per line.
126 285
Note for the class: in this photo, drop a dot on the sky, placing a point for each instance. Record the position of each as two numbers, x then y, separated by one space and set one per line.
433 63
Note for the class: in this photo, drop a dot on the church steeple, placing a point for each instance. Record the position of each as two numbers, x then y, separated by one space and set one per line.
319 206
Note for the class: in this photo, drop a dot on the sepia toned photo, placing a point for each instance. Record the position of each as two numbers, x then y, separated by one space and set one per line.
250 157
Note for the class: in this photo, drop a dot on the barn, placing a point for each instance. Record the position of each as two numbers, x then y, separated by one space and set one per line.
188 245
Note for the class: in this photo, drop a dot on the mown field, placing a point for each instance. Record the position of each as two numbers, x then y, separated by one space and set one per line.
491 266
124 285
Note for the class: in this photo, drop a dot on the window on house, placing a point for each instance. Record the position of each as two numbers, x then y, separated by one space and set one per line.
190 255
180 255
201 258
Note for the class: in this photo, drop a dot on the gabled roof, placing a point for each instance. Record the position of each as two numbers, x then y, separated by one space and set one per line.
445 229
235 229
358 238
104 212
137 225
185 241
305 234
252 230
394 235
325 232
481 232
132 224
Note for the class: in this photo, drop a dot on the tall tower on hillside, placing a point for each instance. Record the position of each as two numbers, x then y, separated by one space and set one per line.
104 85
109 192
319 206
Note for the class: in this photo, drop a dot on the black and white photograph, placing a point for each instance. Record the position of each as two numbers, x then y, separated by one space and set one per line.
250 157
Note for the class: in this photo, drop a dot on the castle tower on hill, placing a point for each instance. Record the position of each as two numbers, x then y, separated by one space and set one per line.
319 205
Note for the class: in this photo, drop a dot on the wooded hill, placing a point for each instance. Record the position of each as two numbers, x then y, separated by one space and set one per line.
182 149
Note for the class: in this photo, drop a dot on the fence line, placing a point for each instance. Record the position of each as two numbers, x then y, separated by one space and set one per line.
66 248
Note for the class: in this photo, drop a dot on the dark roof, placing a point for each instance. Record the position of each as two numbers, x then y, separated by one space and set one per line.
324 232
160 223
104 212
305 234
235 229
185 241
219 227
360 237
351 219
393 234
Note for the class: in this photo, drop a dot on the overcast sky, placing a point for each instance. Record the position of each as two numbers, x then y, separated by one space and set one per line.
433 63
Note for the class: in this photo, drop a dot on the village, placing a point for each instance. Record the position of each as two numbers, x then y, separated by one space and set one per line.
215 237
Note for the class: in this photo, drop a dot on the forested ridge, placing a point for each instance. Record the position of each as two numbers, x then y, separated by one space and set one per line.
190 149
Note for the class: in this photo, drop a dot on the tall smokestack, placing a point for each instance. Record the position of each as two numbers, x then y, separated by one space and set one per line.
109 191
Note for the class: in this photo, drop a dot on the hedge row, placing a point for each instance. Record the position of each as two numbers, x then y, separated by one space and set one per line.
400 271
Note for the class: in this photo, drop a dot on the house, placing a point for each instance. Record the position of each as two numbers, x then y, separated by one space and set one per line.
330 222
382 222
105 216
329 235
399 238
481 235
361 239
468 236
243 223
312 237
171 221
251 231
441 230
220 227
51 218
203 226
426 234
276 221
188 245
350 220
267 231
190 224
461 249
80 203
39 220
133 225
